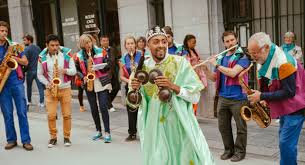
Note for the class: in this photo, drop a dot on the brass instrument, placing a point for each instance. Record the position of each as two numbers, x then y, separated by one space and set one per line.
56 80
91 74
259 113
205 61
9 63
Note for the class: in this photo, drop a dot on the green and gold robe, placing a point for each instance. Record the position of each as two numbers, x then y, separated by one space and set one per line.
169 132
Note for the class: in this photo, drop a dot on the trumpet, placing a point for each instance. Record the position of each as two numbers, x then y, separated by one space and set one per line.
225 51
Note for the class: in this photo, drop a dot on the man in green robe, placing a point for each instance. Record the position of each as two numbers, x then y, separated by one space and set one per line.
169 131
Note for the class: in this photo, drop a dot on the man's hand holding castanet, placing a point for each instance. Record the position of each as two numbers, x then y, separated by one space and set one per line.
162 81
135 84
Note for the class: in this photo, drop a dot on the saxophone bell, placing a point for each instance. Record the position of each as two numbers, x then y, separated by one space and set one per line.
56 81
246 113
12 64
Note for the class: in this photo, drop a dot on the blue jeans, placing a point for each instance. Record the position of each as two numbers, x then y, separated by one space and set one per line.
7 95
103 100
290 129
30 76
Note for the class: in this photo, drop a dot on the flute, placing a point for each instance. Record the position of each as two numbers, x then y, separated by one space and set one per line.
225 51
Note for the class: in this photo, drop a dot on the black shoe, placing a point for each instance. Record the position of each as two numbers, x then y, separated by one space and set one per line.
9 146
226 156
131 138
237 157
52 143
67 142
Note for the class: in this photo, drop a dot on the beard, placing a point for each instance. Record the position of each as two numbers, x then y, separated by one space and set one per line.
160 53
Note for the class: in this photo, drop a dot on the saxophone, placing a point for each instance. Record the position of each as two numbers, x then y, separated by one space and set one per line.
56 80
9 64
91 74
259 113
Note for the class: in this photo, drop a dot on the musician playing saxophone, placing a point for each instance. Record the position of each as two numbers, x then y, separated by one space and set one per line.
281 80
231 97
56 62
94 60
13 89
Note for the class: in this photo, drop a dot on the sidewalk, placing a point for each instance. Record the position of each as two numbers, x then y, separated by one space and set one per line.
84 151
262 143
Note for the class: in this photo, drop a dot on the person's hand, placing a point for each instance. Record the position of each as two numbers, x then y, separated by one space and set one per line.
255 96
135 84
204 67
212 60
263 103
49 85
16 58
62 71
162 81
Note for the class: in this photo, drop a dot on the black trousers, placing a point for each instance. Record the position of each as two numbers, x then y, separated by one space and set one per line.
115 89
132 118
102 98
80 96
228 108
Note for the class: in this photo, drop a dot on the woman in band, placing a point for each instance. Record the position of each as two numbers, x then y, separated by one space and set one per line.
192 56
101 83
141 45
129 62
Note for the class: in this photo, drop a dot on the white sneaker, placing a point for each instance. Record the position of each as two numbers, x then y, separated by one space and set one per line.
112 109
41 105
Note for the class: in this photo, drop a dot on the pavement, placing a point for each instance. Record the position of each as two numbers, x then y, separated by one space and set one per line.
262 145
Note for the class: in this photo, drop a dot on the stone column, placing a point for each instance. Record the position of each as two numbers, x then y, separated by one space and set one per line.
133 18
202 18
20 19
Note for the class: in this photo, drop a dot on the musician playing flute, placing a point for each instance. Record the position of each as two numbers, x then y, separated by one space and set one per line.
231 97
46 72
169 131
13 89
281 80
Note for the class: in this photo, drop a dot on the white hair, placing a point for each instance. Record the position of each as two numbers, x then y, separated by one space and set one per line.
261 38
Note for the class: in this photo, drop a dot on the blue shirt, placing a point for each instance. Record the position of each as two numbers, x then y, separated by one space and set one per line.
32 53
172 50
233 91
127 61
13 78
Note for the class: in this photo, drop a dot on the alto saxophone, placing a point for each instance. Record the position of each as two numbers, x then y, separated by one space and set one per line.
91 74
258 112
9 64
56 80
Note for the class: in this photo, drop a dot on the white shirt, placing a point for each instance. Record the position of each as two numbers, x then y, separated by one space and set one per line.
71 71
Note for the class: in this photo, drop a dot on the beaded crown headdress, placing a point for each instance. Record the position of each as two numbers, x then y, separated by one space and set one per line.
155 31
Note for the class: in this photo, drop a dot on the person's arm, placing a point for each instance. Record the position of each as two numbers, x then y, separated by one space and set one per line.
40 75
71 71
78 69
188 96
122 77
288 90
210 75
230 72
21 60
